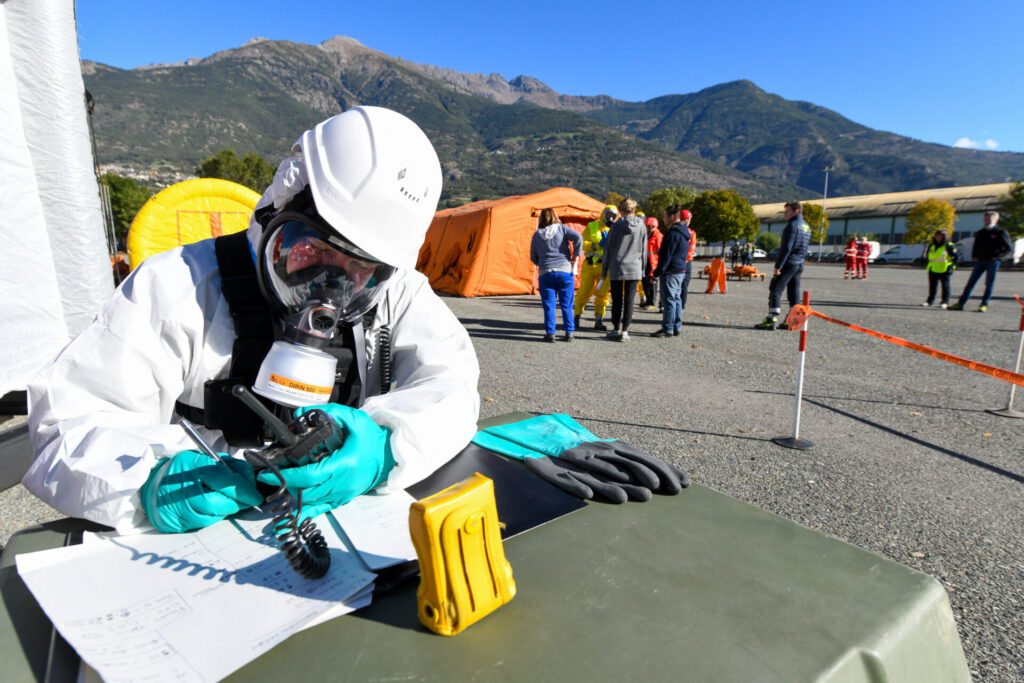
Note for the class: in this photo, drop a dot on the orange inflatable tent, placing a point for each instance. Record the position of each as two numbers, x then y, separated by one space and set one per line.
483 248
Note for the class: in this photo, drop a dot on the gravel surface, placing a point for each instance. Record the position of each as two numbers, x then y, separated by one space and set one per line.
906 462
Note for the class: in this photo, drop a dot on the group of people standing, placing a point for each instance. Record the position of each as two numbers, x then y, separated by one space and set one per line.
618 251
743 254
857 253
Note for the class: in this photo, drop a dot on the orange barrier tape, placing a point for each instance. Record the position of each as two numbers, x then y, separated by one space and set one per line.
799 314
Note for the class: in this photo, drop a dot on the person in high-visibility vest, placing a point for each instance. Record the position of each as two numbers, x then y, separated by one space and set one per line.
851 259
941 262
591 283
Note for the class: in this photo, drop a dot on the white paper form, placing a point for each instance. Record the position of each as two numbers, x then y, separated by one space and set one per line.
184 607
378 527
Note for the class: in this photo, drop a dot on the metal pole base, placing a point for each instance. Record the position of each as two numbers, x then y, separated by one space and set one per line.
790 442
1007 412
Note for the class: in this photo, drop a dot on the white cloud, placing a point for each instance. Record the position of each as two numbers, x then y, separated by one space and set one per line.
967 143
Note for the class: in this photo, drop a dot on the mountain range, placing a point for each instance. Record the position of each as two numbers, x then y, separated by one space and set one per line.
497 137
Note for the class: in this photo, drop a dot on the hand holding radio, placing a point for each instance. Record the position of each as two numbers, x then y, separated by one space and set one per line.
359 464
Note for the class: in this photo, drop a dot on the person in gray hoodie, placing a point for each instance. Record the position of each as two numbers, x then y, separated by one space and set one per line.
625 258
554 250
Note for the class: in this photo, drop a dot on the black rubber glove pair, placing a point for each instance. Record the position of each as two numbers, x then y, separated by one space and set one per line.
562 452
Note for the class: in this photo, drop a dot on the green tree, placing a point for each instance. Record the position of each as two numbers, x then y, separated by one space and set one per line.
813 216
723 215
252 170
613 198
658 200
126 198
926 217
1011 210
768 240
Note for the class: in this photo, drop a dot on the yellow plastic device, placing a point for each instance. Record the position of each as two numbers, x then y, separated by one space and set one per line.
464 575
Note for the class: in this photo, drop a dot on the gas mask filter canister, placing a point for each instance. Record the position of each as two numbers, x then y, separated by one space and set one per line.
316 280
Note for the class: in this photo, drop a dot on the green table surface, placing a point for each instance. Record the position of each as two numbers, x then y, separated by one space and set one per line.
696 587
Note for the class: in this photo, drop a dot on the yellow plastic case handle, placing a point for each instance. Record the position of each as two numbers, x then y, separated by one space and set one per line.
464 575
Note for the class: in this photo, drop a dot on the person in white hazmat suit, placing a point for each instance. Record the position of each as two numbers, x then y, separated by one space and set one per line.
338 231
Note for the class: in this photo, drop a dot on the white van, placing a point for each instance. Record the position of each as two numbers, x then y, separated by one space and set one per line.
966 244
903 253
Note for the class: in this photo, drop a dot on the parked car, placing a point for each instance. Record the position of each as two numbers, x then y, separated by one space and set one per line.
826 257
760 254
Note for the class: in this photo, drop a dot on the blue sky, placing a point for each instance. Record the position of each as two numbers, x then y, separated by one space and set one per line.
947 72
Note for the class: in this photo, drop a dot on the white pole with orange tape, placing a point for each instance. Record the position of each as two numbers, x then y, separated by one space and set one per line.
795 441
1008 411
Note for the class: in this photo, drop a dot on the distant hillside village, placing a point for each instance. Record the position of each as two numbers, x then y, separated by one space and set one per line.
883 216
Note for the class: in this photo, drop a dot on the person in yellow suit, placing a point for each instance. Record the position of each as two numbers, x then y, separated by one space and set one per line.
591 283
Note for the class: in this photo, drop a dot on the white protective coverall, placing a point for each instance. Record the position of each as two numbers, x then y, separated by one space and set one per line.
103 413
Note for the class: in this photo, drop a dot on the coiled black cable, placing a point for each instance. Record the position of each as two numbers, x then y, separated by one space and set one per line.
384 343
302 544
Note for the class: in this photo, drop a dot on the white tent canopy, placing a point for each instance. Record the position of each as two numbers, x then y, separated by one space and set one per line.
54 266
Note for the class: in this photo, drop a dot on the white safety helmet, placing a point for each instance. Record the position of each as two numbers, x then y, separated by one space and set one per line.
375 178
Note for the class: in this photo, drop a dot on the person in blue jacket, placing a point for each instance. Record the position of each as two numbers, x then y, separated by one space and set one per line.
554 250
796 236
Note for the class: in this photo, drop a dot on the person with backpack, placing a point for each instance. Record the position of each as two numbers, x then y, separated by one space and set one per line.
326 269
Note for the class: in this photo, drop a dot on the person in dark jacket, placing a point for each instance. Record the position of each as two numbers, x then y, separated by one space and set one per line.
796 236
991 243
554 249
672 268
941 262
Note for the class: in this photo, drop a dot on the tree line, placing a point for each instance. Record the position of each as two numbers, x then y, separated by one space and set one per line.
127 195
719 216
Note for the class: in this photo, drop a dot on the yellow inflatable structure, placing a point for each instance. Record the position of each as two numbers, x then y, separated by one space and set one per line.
188 212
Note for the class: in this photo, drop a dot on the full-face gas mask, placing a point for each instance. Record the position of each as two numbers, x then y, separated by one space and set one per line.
609 216
316 280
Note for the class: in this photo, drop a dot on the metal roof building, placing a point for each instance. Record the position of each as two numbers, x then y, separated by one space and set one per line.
883 216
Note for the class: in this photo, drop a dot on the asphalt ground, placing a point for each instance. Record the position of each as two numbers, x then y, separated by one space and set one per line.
906 461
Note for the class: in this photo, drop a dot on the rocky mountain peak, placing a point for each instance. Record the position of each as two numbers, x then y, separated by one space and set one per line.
526 84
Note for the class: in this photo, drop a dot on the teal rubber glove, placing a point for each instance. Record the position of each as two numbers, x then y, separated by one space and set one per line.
360 464
191 490
564 453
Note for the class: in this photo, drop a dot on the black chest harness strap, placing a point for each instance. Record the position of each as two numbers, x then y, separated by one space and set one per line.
255 331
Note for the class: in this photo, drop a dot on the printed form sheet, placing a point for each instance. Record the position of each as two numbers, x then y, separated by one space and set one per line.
187 607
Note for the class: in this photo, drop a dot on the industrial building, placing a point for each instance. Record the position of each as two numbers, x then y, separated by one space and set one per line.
882 217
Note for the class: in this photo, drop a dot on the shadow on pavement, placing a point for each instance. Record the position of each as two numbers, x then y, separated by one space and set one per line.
860 304
921 442
868 400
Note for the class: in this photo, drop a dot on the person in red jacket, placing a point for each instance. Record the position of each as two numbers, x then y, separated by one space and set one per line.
863 252
685 216
851 259
649 282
